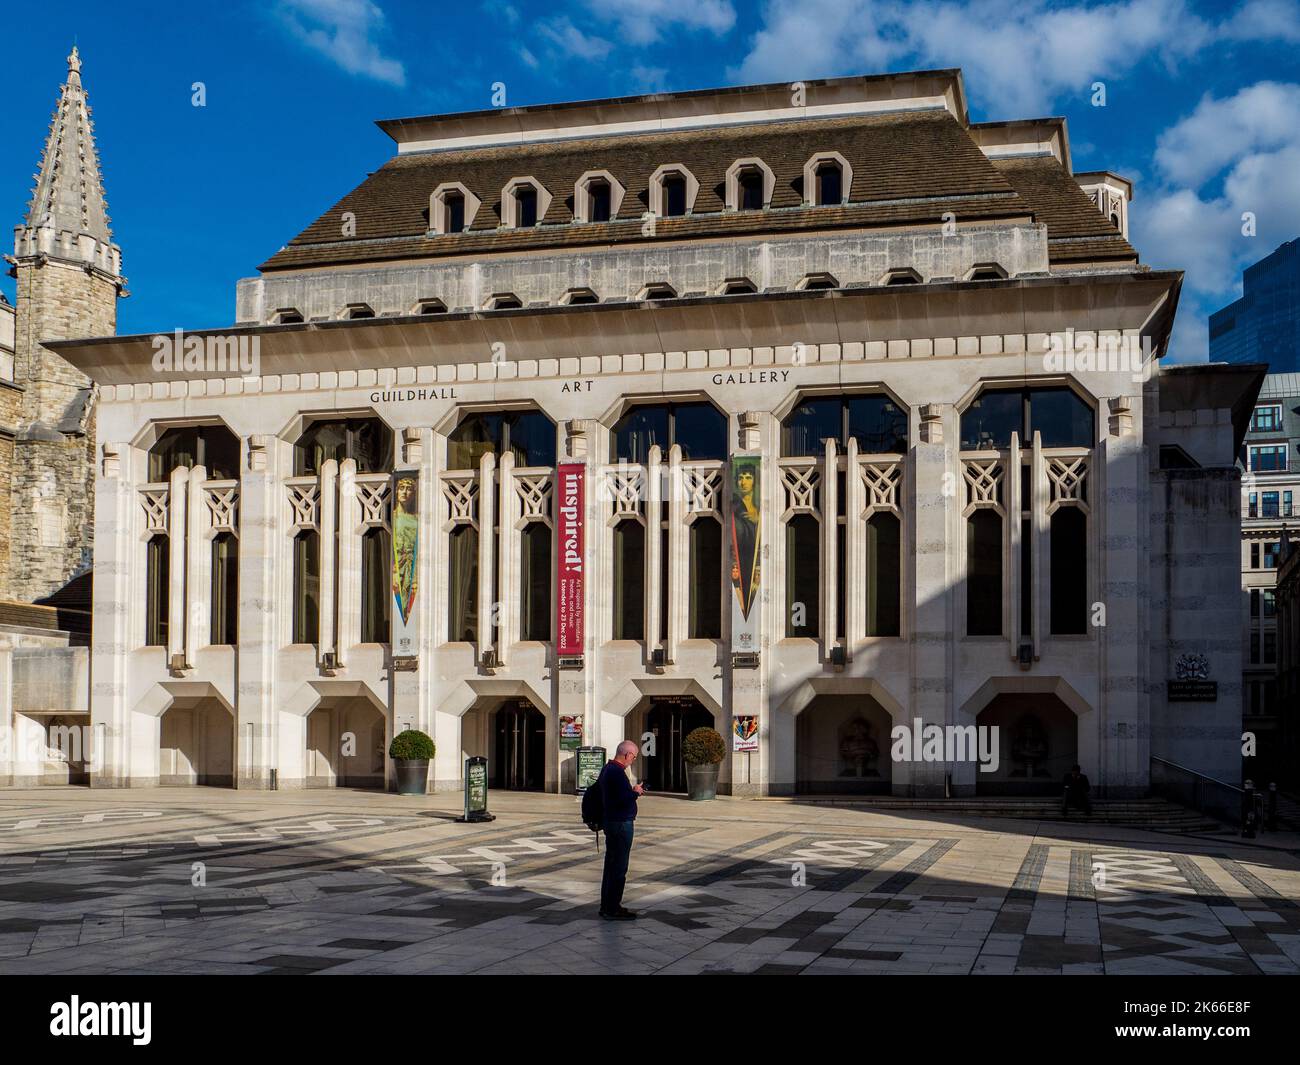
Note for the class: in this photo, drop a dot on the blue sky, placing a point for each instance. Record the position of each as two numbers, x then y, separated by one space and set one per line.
1202 106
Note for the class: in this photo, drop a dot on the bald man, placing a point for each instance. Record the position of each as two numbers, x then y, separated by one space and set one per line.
620 815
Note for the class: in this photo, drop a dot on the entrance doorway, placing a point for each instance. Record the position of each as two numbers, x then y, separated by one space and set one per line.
670 720
518 760
345 744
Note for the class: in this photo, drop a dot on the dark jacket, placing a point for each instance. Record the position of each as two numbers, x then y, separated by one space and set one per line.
1076 787
620 799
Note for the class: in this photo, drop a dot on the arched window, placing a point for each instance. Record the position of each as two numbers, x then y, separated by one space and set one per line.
1062 418
224 621
535 582
1069 572
306 586
884 574
803 576
705 620
700 429
453 205
830 184
599 199
525 207
629 580
157 590
984 573
214 447
367 441
674 196
527 434
877 423
376 584
749 184
462 595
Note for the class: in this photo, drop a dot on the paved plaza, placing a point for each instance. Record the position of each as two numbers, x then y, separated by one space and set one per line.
206 880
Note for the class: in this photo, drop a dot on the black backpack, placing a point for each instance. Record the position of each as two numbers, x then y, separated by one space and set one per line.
593 805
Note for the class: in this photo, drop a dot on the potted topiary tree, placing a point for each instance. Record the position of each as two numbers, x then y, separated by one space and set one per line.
702 750
412 750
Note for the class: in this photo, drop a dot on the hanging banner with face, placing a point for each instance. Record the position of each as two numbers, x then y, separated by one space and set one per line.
743 527
569 558
406 544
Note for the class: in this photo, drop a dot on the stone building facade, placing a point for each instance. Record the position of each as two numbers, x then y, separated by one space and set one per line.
609 420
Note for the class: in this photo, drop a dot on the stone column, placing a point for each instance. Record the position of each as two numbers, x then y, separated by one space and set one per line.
261 499
116 503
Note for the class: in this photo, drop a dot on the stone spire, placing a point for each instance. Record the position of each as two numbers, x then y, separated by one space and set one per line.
67 216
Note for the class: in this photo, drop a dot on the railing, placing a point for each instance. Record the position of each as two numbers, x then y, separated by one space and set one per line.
1202 793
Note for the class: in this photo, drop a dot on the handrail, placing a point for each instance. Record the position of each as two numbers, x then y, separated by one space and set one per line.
1197 773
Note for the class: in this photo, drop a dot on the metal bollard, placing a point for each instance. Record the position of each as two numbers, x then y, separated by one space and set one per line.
1248 810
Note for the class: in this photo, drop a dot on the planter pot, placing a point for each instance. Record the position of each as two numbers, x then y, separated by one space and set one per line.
701 782
412 776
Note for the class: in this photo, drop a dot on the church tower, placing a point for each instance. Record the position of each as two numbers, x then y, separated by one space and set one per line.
69 278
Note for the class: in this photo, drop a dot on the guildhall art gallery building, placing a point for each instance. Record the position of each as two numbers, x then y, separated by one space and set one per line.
816 405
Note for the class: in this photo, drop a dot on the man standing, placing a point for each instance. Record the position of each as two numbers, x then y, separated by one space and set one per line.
1076 792
620 815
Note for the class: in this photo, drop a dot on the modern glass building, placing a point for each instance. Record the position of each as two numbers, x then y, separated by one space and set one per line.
1264 325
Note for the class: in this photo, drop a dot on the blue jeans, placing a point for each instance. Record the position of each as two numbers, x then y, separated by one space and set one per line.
618 849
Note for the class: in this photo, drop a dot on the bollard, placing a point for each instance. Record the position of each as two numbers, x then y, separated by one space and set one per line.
1271 822
1248 810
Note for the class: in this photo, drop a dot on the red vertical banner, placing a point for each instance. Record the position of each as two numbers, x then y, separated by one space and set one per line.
569 619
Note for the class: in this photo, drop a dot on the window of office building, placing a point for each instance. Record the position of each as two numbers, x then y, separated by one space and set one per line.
214 447
527 434
462 587
157 590
535 581
629 580
803 576
700 429
877 423
376 585
367 441
224 619
984 573
1267 458
306 586
1062 419
1266 419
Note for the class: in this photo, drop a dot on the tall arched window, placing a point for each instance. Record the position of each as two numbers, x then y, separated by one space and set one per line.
225 589
157 589
462 588
376 584
984 573
830 184
803 576
749 183
629 580
535 582
674 195
700 429
306 587
877 423
705 620
884 574
367 441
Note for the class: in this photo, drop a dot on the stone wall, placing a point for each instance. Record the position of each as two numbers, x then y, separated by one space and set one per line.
51 489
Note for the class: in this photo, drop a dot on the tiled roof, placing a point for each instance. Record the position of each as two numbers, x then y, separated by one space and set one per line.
1069 212
907 169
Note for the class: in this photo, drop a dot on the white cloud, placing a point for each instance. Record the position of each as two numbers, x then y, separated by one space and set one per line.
1019 56
571 41
1263 116
344 31
647 21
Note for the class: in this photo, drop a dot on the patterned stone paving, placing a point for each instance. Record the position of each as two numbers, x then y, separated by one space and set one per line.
214 881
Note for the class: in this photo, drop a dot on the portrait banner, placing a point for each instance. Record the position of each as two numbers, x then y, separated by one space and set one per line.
744 732
569 584
406 553
744 527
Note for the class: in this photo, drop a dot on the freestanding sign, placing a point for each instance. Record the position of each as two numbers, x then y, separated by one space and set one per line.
591 760
406 548
476 790
569 585
744 527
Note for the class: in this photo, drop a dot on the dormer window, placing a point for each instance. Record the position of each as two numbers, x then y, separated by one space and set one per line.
827 178
525 207
452 208
430 306
597 196
659 290
738 286
819 280
673 189
524 202
288 316
356 311
750 184
902 277
576 296
986 272
504 301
